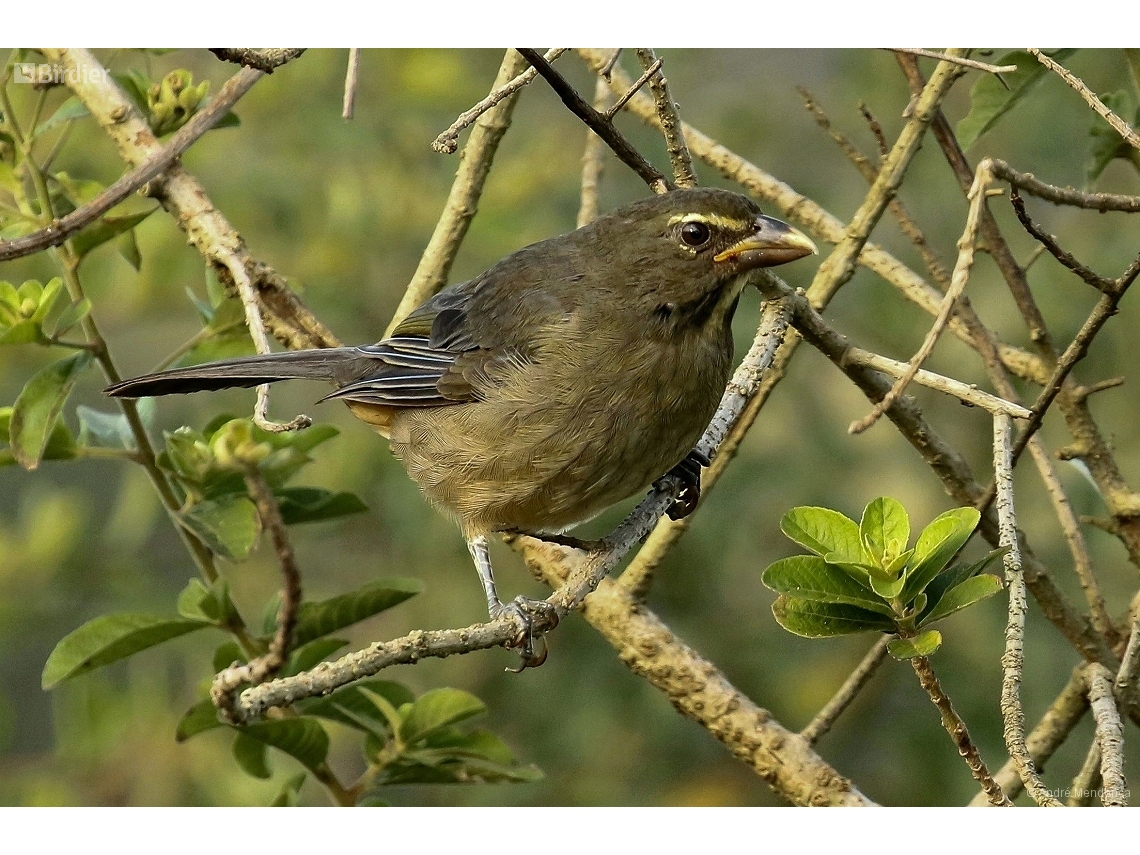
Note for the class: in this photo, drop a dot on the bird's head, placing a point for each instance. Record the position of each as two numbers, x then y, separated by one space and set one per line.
686 251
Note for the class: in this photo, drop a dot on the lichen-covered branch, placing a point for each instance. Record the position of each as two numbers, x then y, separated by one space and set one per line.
1109 736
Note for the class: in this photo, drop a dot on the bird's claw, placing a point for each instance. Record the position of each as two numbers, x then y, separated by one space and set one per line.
525 612
688 472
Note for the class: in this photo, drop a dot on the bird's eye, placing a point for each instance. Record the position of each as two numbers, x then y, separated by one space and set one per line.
695 234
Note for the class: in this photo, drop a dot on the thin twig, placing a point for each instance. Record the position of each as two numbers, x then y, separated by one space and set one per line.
592 162
608 68
157 163
856 680
958 732
1118 124
1087 781
463 198
1109 736
876 130
1130 660
350 77
633 89
252 307
679 157
961 60
1065 195
266 60
966 249
1014 656
1048 242
602 126
1082 563
964 392
265 667
448 141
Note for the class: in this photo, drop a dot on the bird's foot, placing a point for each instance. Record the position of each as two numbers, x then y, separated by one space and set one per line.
526 613
688 471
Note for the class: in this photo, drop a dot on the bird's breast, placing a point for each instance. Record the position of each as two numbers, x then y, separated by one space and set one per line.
594 418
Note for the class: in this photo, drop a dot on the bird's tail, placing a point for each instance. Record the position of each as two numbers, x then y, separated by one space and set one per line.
334 364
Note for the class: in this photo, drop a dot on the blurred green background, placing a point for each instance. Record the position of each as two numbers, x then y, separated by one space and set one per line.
344 209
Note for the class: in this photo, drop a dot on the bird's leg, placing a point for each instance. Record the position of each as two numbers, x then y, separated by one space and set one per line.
522 610
689 473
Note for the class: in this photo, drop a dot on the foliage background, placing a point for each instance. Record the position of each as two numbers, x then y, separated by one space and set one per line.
344 209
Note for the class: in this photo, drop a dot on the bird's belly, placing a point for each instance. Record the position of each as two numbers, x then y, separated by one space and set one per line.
509 462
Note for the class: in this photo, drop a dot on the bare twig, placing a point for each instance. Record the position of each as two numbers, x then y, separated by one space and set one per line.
463 198
1087 780
592 162
602 126
266 60
350 76
964 392
1014 655
958 732
1065 195
966 248
148 170
876 130
851 687
633 89
1109 736
252 307
679 157
448 141
961 60
1050 733
265 667
1118 124
1048 242
1130 660
608 68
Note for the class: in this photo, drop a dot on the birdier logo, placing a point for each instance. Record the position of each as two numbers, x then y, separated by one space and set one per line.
46 74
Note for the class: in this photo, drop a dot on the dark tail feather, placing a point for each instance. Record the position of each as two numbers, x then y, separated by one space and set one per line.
335 364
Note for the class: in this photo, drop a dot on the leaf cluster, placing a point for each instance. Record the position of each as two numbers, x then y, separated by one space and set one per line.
864 577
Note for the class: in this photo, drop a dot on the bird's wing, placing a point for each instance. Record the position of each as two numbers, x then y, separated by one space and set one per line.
458 344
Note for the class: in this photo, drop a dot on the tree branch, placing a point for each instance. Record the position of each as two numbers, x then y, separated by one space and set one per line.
266 60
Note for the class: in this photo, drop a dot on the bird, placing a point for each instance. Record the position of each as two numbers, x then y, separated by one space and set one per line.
570 375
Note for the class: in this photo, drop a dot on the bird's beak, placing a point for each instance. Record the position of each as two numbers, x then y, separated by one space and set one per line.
772 242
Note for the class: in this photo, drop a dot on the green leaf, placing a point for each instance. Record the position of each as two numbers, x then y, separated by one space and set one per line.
825 532
953 576
198 719
229 120
109 430
191 600
809 577
990 100
128 246
226 655
229 525
47 299
921 645
822 620
886 587
355 699
301 738
321 618
964 594
937 545
108 639
70 109
310 504
105 229
308 655
60 445
23 332
73 314
884 530
1105 143
38 407
213 604
250 755
437 709
289 792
